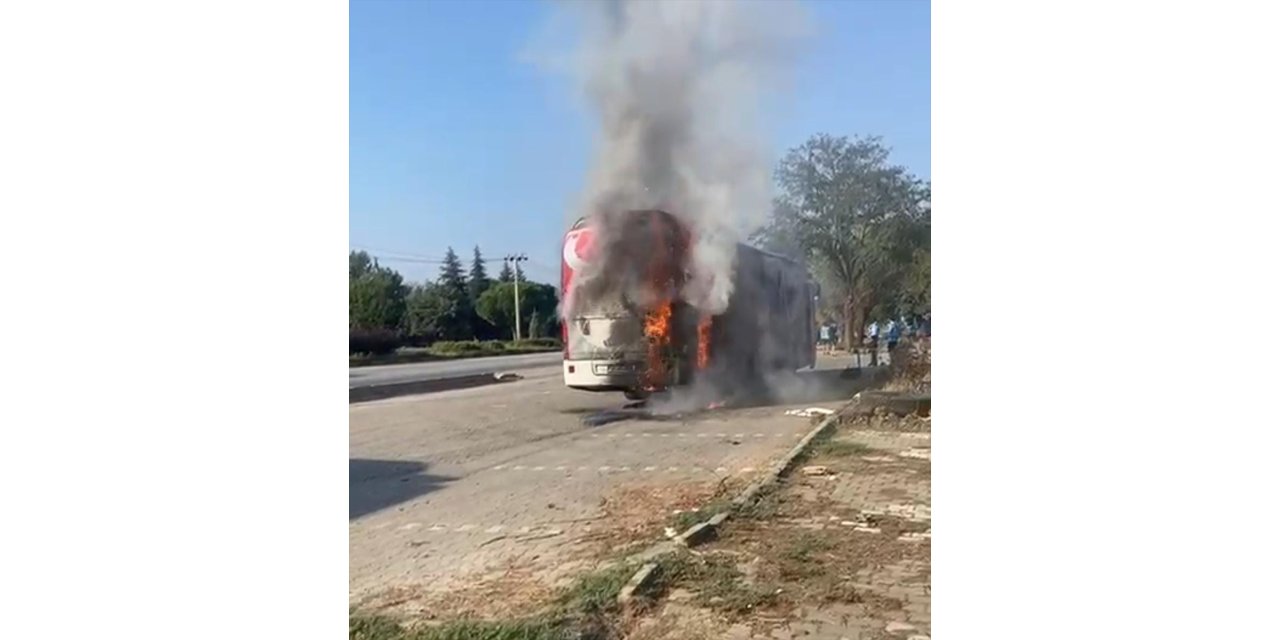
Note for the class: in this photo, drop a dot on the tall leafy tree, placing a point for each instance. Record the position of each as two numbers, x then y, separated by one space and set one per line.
497 305
425 308
360 263
858 218
376 296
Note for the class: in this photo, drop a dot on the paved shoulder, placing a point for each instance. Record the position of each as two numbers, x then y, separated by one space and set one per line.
420 371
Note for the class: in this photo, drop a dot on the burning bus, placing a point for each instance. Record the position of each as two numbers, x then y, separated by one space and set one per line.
629 327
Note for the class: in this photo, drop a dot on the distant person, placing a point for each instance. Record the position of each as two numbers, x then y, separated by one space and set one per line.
824 338
873 339
894 334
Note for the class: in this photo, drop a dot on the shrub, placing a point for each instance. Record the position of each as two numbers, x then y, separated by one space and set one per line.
537 342
460 347
373 341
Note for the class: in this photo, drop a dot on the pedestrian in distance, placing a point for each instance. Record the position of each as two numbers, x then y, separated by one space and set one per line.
873 339
894 334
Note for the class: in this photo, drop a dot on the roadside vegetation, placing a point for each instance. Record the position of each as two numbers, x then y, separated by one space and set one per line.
587 609
454 350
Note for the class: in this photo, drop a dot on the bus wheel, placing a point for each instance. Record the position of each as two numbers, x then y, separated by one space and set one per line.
635 394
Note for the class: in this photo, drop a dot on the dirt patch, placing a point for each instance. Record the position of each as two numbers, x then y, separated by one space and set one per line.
638 514
512 591
633 517
881 419
852 541
910 367
680 621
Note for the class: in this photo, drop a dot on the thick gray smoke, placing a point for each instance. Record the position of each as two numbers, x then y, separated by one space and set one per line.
678 87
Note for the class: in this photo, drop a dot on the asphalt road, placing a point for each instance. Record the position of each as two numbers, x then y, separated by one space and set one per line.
422 371
455 487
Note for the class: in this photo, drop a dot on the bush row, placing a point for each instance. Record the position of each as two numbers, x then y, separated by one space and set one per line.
379 342
450 347
373 341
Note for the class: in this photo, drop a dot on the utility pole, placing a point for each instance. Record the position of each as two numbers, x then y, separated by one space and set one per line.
517 259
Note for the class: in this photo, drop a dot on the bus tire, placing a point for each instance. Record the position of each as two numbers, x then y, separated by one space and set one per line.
635 394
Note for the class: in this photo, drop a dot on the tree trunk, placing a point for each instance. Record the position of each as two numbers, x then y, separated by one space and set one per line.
851 337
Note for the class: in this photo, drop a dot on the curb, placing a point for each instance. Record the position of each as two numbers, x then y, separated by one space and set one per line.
707 530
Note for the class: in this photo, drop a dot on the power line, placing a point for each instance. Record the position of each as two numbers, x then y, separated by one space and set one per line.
410 257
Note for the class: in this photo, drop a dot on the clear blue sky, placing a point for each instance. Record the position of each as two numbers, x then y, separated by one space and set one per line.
455 141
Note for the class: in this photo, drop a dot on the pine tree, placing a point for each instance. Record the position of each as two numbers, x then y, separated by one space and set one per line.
479 280
451 272
456 309
506 275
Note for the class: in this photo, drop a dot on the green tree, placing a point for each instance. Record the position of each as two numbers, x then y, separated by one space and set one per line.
506 275
478 280
425 307
857 218
534 328
376 295
456 313
360 263
497 305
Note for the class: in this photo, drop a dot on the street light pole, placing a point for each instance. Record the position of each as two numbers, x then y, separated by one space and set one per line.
517 259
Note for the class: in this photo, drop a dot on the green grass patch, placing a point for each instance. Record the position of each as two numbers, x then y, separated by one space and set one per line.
839 448
364 627
685 519
717 583
582 611
596 592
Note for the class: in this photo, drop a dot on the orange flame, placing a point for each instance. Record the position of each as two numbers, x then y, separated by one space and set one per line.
657 328
704 342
